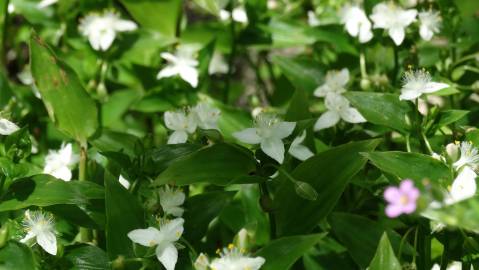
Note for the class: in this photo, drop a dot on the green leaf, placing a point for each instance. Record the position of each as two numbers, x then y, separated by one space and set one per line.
17 256
212 6
385 258
447 117
381 109
86 257
282 253
158 159
45 190
161 16
298 108
68 104
5 90
328 173
217 164
409 165
123 214
110 141
201 210
361 236
302 73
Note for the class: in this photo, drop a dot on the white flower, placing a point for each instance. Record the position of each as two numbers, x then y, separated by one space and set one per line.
25 77
125 183
233 259
298 150
217 64
239 15
356 23
394 19
7 127
463 187
182 63
206 116
313 20
269 132
171 200
101 29
181 124
469 156
418 82
46 3
334 82
164 239
338 108
430 22
57 163
202 262
41 227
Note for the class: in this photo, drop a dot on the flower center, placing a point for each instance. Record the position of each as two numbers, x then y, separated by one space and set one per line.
404 200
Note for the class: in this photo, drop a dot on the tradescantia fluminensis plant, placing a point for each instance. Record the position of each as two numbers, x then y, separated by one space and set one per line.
239 135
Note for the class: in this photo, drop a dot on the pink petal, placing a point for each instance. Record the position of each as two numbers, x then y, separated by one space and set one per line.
409 208
392 194
406 185
393 210
413 194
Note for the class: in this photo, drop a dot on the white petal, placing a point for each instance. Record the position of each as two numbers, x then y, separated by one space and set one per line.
322 90
190 75
283 129
178 137
365 33
125 25
464 186
432 87
352 115
172 230
64 173
125 183
7 127
46 3
425 32
397 34
106 39
248 136
326 120
146 237
27 237
274 148
407 17
300 152
352 27
167 71
48 242
409 95
343 76
167 255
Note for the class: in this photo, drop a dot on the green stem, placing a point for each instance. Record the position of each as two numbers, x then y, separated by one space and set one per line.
445 253
362 64
402 242
232 53
408 143
192 249
85 234
272 220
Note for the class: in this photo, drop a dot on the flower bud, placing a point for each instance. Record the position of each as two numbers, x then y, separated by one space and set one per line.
452 151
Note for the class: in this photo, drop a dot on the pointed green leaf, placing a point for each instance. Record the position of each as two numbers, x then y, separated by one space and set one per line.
17 256
385 258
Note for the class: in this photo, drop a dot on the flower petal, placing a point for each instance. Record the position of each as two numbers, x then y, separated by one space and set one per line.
283 129
409 95
300 152
432 87
167 71
393 210
7 127
146 237
124 25
48 242
172 230
190 75
274 148
352 115
397 34
167 255
178 136
248 136
464 186
392 194
326 120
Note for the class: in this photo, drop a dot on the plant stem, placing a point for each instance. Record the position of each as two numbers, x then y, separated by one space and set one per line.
232 53
3 31
85 234
272 221
445 253
192 249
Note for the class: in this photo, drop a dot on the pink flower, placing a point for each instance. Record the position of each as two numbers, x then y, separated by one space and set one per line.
401 200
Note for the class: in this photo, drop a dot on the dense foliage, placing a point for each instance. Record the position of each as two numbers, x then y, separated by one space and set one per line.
239 135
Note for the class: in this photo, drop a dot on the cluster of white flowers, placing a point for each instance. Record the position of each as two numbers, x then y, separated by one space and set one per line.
203 115
58 163
231 258
269 132
101 28
418 82
390 17
337 105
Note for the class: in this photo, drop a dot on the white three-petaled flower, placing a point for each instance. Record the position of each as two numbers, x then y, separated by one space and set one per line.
338 108
206 116
57 163
430 23
101 29
268 132
334 82
182 63
181 124
171 200
418 82
469 156
164 239
41 227
356 23
298 150
233 258
394 19
7 127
